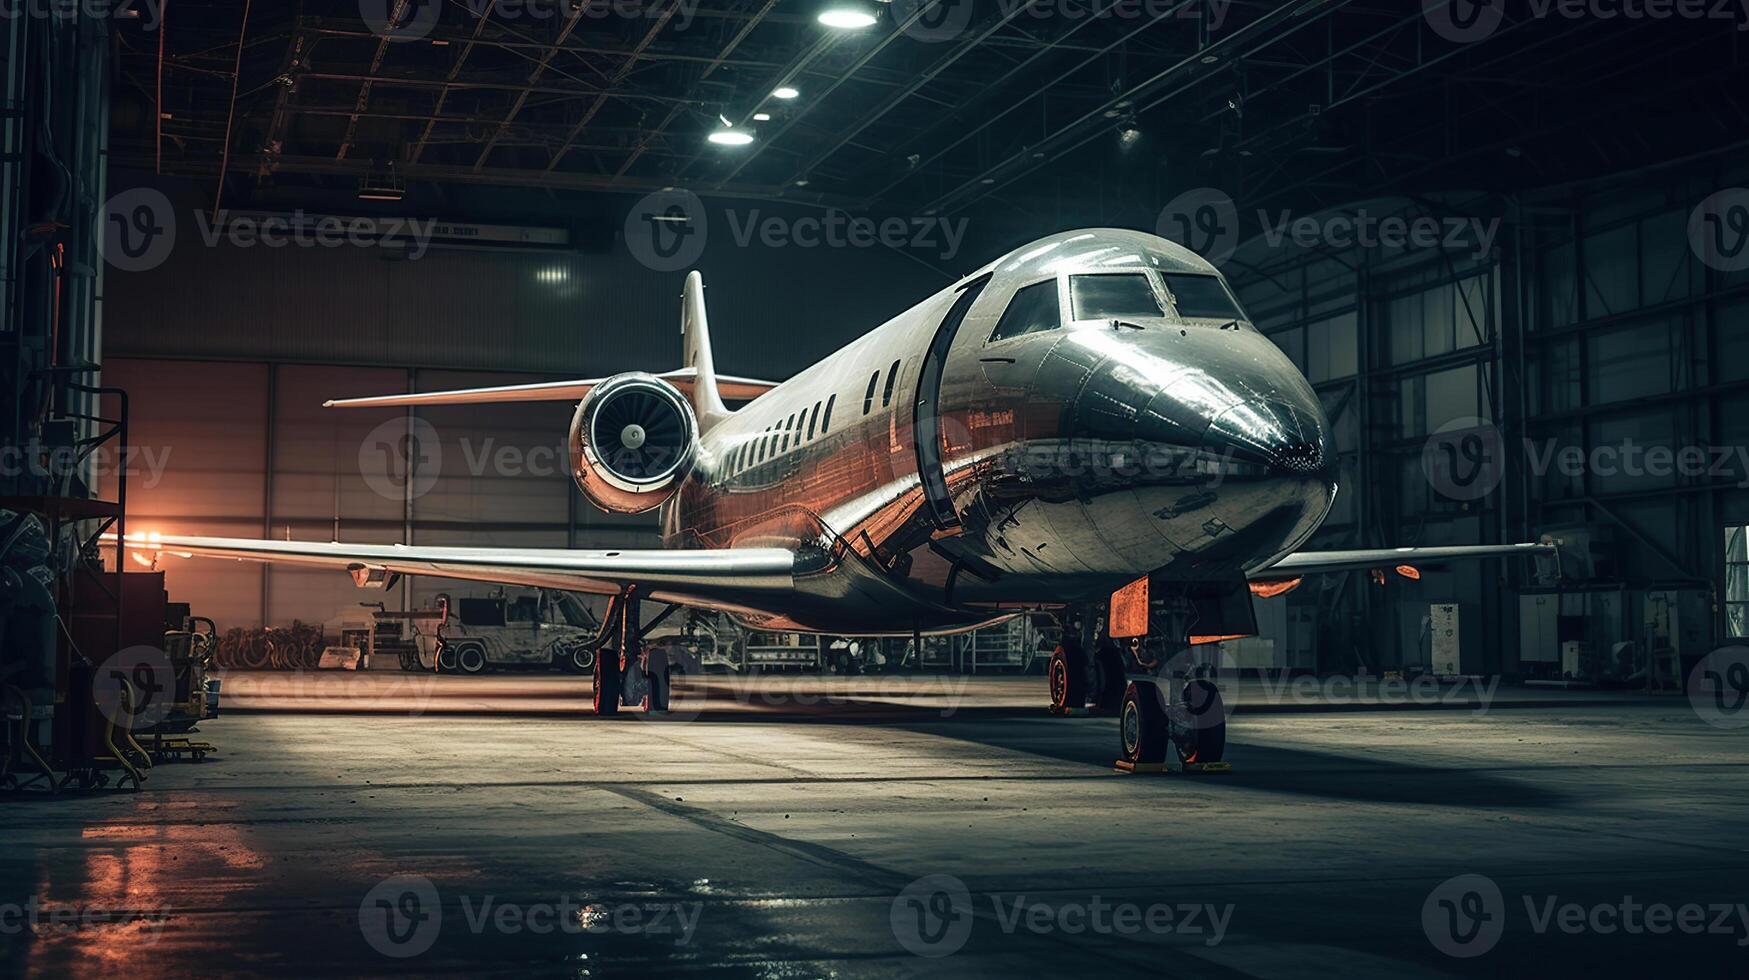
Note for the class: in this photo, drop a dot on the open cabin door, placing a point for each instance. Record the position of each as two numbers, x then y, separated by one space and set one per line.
927 423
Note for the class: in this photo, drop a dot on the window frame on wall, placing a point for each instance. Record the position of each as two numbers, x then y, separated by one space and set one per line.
1736 587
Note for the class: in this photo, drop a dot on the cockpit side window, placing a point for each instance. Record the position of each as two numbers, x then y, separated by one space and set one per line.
1032 310
1109 296
1202 296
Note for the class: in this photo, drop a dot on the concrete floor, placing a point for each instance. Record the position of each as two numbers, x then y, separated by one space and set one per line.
792 844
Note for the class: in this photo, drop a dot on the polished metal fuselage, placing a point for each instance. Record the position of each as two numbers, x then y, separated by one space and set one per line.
1076 460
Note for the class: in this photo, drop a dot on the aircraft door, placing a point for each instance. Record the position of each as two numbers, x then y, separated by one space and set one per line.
927 422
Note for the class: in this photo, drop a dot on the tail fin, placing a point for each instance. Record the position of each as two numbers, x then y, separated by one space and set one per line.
695 343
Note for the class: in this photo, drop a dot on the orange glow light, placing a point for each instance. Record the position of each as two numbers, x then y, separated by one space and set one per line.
1200 640
1409 572
1271 589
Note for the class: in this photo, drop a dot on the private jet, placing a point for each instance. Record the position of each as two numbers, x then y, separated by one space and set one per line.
1089 428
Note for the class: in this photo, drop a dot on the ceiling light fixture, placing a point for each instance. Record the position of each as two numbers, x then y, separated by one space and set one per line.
729 135
785 92
762 117
847 17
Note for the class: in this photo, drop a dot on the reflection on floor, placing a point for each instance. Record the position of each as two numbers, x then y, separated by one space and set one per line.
992 840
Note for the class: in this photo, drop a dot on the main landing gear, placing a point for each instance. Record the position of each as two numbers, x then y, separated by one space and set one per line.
629 673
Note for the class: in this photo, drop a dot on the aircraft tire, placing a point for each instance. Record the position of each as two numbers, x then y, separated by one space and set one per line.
1203 701
1143 729
470 658
1068 677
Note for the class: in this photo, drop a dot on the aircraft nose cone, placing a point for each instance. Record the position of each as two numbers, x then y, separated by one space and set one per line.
1272 436
1278 474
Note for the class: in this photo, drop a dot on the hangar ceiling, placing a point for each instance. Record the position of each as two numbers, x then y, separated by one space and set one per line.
1322 100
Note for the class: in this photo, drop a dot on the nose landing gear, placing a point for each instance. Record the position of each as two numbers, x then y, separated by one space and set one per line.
1192 726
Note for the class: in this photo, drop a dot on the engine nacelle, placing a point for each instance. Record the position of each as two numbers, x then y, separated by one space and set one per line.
633 440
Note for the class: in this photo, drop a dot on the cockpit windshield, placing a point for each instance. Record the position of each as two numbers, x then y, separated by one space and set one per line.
1112 296
1032 310
1200 296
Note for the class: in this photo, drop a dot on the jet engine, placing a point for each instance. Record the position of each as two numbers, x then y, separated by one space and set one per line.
633 440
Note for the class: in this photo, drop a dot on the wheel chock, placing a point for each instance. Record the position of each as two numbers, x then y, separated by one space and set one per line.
1192 769
1140 768
1208 768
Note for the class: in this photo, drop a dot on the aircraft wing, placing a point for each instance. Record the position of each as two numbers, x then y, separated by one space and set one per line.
1310 562
732 388
728 579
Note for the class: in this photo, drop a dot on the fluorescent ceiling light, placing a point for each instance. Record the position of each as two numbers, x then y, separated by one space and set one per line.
847 18
731 137
762 117
785 92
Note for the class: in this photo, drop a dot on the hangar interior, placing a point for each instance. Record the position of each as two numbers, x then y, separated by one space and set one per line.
1582 320
1504 254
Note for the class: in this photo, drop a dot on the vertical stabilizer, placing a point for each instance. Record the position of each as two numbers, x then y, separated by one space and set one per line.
695 346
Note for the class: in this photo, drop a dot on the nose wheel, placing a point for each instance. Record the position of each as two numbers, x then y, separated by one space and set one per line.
1193 725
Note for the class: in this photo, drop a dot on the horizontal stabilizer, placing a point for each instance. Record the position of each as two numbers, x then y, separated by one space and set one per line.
734 389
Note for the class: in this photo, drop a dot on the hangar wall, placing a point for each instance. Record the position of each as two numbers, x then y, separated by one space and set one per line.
1592 331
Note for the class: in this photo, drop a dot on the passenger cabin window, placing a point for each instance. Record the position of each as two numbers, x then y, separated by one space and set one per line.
887 393
1032 310
813 417
1202 296
826 419
868 396
1113 296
